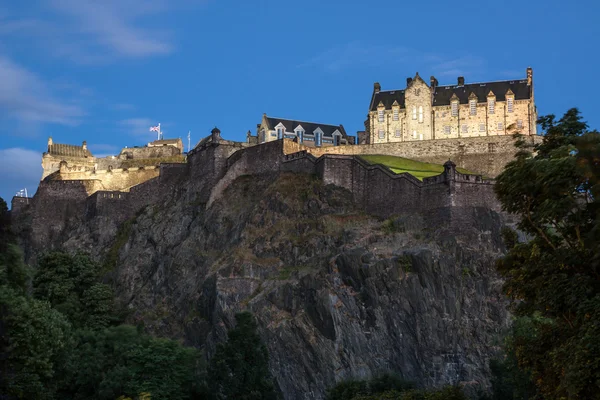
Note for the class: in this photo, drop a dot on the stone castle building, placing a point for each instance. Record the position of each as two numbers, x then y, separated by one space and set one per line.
426 112
310 134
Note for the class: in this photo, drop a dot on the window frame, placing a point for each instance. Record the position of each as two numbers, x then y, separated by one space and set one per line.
381 115
454 108
473 107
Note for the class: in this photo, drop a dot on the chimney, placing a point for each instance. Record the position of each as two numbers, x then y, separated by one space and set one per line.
49 142
461 81
433 82
84 145
529 76
408 81
376 87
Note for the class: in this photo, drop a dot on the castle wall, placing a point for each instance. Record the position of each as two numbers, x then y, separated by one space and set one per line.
149 152
483 155
115 179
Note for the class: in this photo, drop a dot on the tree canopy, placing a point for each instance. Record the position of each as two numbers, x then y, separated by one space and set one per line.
552 269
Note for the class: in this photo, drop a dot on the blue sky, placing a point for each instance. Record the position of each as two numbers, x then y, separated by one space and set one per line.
105 71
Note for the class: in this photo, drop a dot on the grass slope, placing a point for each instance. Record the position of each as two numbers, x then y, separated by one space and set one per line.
417 169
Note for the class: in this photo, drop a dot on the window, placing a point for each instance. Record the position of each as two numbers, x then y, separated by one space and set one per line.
421 136
396 112
510 104
397 134
473 107
500 126
318 139
381 134
279 133
454 108
481 127
414 112
491 105
420 113
380 115
465 129
519 124
447 129
414 134
300 134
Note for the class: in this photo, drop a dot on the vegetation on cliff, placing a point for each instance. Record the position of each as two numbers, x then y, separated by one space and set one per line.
553 277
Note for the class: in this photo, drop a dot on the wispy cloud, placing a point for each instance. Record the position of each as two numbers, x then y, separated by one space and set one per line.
138 126
360 55
25 97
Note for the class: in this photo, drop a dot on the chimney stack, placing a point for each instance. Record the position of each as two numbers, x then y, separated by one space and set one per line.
376 87
433 82
408 81
461 81
84 145
49 142
529 76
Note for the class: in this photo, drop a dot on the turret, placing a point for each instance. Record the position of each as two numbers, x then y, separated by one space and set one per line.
49 143
84 145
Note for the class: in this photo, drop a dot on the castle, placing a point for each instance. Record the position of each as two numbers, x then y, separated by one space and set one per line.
431 112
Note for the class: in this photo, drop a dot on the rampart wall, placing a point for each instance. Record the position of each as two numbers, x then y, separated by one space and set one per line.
149 152
111 179
483 155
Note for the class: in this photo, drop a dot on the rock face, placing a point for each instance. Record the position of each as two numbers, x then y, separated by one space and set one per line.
338 294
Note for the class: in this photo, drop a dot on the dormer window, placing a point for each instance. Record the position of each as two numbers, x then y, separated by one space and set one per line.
414 112
279 133
299 133
380 115
420 113
396 113
510 104
473 107
491 106
454 108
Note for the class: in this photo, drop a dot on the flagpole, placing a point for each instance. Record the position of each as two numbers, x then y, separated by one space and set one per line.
189 141
158 134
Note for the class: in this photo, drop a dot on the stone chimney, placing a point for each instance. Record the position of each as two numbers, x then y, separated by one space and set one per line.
433 82
49 142
84 145
461 81
408 81
529 76
376 87
216 134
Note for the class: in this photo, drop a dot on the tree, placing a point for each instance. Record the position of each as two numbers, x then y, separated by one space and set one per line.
71 283
553 277
240 367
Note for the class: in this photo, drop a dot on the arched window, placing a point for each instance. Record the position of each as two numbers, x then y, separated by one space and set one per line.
420 113
414 112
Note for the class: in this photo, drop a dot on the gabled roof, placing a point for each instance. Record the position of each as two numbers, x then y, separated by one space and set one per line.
443 94
68 150
309 127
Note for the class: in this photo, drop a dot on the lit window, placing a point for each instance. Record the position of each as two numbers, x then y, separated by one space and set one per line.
500 126
396 111
454 108
465 129
414 134
510 104
380 114
520 124
491 106
414 112
397 134
420 113
381 134
447 129
481 127
473 107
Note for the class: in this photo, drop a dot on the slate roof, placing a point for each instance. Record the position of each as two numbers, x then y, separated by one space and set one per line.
309 127
68 150
443 94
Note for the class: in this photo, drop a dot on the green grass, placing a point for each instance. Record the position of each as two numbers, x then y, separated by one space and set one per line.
417 169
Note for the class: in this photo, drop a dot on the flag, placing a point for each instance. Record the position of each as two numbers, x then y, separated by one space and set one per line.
155 128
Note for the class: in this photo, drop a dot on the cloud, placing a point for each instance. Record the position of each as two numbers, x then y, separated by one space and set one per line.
138 126
360 55
25 97
21 168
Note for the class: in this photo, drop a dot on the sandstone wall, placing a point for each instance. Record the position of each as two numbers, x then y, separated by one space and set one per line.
112 179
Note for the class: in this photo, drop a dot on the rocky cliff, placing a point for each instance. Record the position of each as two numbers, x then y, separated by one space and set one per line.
338 294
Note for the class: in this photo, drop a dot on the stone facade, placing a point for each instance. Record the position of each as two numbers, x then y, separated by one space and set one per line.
424 111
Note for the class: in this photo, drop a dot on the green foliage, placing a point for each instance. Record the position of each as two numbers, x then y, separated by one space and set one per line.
417 169
553 279
240 367
70 284
381 385
120 360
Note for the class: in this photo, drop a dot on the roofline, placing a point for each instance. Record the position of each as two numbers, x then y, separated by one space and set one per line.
466 84
307 122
